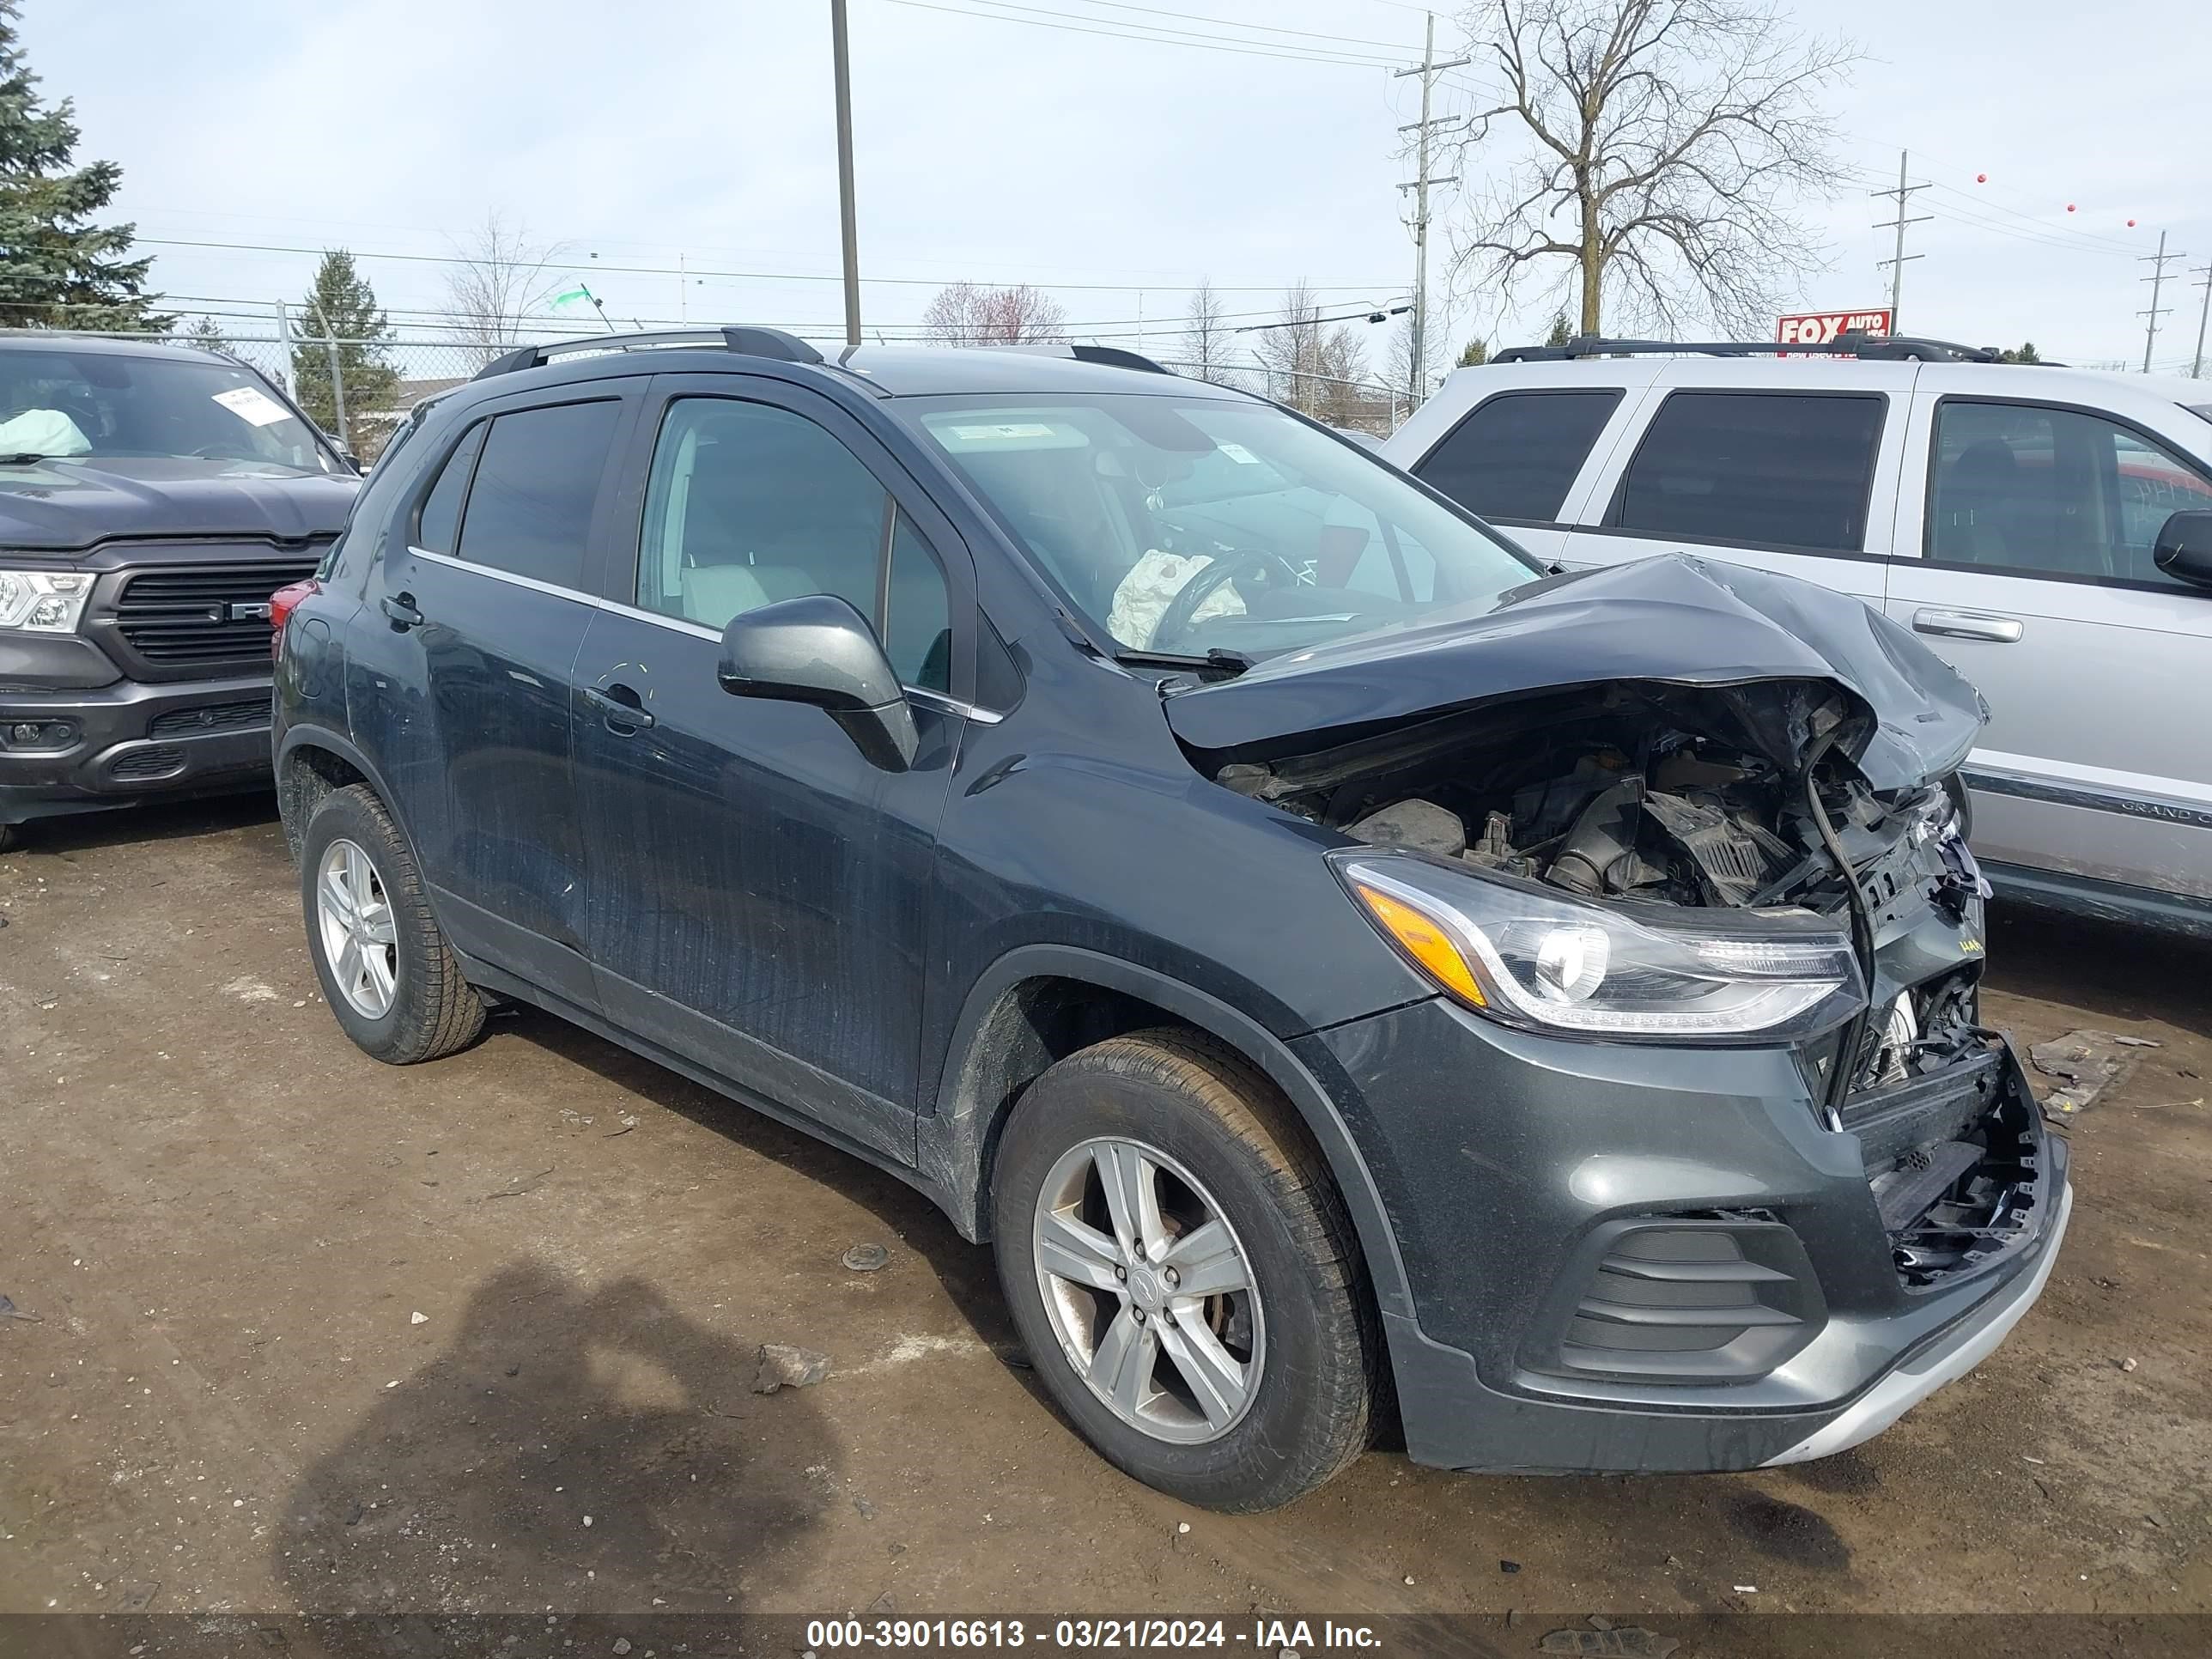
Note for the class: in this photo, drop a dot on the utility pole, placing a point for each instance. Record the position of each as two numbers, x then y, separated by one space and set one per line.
2203 315
848 225
1903 194
2157 280
1428 69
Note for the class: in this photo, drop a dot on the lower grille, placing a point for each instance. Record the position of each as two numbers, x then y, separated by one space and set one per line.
204 615
1688 1300
142 765
215 717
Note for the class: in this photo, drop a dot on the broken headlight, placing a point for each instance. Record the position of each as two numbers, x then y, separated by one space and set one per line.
1530 955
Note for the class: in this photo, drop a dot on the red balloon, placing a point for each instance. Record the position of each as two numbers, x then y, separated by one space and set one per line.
2069 207
2132 224
1981 178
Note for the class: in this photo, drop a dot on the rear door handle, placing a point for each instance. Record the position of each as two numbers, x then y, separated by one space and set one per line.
625 712
400 607
1968 625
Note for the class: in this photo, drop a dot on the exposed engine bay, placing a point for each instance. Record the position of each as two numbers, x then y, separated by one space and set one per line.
1649 793
1676 795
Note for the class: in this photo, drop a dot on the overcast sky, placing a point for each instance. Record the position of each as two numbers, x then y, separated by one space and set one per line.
1114 171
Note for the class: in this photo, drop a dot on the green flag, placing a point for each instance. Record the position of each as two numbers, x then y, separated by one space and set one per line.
579 292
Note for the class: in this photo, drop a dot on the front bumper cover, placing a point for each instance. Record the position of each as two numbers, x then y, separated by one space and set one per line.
133 743
1500 1155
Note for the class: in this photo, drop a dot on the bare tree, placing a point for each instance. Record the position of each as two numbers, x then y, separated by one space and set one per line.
1317 368
499 279
969 314
1667 144
1290 349
1208 352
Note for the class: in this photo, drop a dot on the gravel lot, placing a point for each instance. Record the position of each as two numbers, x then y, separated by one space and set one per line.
315 1334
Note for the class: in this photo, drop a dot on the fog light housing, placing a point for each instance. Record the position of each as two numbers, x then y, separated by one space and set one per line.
36 737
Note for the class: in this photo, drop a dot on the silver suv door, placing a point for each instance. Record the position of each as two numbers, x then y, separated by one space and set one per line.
1787 466
2034 580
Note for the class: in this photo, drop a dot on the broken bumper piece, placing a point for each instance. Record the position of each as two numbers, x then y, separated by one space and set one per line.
1945 1360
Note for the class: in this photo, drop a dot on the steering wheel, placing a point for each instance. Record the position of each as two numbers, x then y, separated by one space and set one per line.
1175 620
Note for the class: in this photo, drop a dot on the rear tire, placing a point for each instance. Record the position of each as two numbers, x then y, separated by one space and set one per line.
386 971
10 838
1261 1386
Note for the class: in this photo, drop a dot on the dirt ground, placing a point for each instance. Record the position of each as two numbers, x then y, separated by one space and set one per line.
316 1334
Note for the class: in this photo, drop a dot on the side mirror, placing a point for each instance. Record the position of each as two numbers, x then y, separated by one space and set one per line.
820 651
2184 549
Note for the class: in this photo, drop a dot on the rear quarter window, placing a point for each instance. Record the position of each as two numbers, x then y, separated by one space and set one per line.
1516 454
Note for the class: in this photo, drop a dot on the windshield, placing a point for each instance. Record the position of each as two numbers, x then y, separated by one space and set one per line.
60 403
1184 525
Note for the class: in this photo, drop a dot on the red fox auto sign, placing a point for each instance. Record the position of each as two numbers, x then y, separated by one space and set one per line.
1820 327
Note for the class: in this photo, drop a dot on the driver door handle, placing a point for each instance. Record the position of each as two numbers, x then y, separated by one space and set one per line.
625 712
400 607
1968 625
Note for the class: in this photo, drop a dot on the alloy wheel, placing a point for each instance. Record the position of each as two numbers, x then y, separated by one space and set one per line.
1149 1289
361 939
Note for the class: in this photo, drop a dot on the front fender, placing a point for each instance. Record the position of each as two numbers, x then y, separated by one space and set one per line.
957 1142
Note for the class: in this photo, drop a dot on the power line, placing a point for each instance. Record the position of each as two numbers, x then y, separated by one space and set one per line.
1145 32
745 276
1230 22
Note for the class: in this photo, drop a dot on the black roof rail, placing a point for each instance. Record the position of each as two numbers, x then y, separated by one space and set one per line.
772 343
1876 348
1107 357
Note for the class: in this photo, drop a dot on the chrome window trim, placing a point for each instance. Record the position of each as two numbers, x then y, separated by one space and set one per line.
508 576
936 700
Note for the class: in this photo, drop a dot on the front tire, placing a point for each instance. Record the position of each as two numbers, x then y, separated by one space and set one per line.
386 971
1183 1272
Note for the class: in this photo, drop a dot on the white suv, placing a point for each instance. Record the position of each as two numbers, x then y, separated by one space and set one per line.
2051 528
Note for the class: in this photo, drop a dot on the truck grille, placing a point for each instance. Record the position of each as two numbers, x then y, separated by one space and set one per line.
203 617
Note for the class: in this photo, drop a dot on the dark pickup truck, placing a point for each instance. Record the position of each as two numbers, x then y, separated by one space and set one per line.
152 498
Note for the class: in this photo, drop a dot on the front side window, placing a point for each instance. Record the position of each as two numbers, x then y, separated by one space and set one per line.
748 504
1517 455
1181 524
1755 469
2055 491
107 406
529 507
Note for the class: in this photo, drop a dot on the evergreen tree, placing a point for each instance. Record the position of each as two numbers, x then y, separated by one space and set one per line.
2025 354
1560 333
1475 353
342 301
207 334
58 269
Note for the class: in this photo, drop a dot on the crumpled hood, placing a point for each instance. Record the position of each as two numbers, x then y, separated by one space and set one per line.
1675 620
64 506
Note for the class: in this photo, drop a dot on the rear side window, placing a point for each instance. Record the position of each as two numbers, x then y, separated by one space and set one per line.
1517 455
438 527
1755 468
529 508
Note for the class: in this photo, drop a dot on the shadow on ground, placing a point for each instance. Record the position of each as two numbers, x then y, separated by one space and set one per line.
965 1270
2106 968
206 815
587 1449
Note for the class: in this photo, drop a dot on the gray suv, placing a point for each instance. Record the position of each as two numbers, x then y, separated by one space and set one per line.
1332 964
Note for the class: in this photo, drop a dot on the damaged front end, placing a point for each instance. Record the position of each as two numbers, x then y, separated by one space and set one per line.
1772 860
